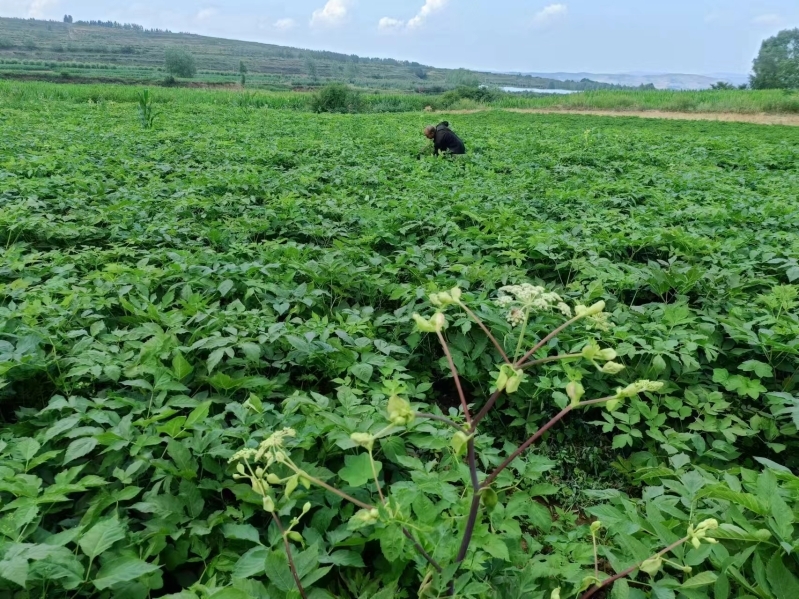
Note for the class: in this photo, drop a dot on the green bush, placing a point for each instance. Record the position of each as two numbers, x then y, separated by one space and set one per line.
337 98
180 63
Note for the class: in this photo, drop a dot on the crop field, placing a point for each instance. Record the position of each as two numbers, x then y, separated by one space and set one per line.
213 384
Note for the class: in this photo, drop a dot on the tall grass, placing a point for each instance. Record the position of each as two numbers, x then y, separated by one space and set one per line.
735 101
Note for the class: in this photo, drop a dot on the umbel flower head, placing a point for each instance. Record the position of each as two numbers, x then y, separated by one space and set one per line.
522 298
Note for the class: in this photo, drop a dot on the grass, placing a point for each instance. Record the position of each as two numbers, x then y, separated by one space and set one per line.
733 101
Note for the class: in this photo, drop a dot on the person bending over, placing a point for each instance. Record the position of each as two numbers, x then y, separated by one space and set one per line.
444 140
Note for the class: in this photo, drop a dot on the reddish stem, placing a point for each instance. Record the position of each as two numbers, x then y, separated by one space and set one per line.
630 570
292 567
546 340
456 377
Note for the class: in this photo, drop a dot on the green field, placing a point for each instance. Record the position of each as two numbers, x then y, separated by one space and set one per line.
172 296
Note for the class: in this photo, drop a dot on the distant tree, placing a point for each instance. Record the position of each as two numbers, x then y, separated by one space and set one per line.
722 85
420 73
243 72
743 86
777 64
67 18
180 63
310 67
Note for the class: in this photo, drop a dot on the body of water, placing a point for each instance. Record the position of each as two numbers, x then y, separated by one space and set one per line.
539 91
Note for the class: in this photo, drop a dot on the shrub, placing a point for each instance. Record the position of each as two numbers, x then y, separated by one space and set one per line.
337 98
180 63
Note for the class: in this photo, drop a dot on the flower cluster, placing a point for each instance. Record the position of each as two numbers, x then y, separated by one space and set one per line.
699 534
526 297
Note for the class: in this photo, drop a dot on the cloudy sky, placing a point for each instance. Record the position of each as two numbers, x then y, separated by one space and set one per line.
685 36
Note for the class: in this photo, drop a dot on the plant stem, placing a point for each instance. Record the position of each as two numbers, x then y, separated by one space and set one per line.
630 570
546 340
288 554
421 549
491 337
438 418
551 359
486 409
522 448
522 334
475 507
454 370
538 434
341 494
377 481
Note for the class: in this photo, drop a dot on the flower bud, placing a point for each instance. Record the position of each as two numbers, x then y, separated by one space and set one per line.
459 442
273 479
652 565
555 594
595 527
240 468
259 472
363 518
575 391
399 411
439 321
515 381
424 325
295 536
606 355
306 508
612 368
596 309
455 293
269 504
364 440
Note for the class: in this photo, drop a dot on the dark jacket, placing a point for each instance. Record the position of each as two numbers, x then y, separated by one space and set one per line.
446 141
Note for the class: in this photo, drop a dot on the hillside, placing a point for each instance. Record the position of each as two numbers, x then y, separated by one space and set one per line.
92 52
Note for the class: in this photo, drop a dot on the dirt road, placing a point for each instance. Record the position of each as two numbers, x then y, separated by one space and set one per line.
731 117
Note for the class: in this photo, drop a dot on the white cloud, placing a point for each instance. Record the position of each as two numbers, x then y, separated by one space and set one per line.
388 24
285 24
549 14
36 9
767 19
430 6
206 13
332 14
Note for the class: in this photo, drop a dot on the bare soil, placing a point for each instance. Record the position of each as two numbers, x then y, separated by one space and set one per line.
731 117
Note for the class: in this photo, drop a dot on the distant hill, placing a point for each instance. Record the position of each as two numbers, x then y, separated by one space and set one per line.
659 80
125 53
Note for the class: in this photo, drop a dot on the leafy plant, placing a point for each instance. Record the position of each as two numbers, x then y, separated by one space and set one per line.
147 113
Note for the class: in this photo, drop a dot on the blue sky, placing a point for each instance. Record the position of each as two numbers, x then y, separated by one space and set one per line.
685 36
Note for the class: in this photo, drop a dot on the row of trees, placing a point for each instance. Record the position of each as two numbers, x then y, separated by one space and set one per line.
777 64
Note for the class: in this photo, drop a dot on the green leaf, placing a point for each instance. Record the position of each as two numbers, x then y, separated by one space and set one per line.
251 350
344 558
278 572
357 470
783 583
392 542
721 590
181 367
79 448
362 371
702 579
225 287
26 448
229 593
198 414
252 563
101 537
746 500
15 570
122 569
621 590
496 548
761 369
182 457
241 532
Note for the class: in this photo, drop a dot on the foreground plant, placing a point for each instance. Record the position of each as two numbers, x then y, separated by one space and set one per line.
271 467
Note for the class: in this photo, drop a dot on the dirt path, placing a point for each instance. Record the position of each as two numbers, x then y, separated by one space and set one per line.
730 117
